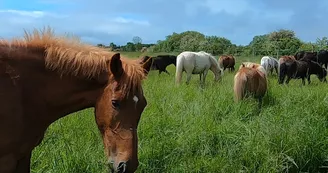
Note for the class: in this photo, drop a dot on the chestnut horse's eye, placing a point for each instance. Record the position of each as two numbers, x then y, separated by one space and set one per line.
115 104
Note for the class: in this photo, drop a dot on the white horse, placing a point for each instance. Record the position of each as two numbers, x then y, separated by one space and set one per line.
270 63
197 63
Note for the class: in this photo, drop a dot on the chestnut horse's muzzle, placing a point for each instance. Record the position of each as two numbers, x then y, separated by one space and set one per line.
122 167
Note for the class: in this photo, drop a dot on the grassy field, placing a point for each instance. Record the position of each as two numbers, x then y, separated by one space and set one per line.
189 129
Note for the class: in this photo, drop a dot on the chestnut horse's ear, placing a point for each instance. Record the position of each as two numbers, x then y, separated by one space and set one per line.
146 63
116 65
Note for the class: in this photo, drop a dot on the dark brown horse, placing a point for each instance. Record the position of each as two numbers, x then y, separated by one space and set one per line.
227 61
320 57
44 78
300 69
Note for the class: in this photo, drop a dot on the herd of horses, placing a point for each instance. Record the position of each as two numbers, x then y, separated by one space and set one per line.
251 77
44 77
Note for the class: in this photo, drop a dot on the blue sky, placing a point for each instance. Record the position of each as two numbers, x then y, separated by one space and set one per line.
105 21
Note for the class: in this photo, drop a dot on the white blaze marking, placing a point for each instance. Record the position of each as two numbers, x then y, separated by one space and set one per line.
135 99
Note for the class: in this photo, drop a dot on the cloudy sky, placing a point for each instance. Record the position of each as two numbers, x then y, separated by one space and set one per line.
105 21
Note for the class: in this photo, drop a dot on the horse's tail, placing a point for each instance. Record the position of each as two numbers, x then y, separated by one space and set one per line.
239 87
265 65
179 69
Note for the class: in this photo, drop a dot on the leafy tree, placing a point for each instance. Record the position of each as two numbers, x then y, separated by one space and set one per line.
130 47
322 43
112 45
100 45
136 40
137 43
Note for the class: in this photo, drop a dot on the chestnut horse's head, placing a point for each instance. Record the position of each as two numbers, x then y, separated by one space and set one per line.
119 109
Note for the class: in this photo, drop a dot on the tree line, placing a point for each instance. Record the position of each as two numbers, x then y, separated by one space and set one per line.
276 43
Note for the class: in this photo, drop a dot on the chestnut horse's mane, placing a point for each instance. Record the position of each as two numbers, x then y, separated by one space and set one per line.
70 56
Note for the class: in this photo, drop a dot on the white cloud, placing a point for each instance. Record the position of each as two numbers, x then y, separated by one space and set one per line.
127 21
35 14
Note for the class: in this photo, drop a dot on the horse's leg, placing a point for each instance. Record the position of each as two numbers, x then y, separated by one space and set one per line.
204 76
201 78
23 165
303 80
281 79
288 79
188 77
309 79
260 102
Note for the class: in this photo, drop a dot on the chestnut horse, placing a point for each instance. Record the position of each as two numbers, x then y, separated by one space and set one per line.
254 65
44 78
250 80
227 61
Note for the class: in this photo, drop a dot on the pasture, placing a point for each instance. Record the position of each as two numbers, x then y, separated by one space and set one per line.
189 129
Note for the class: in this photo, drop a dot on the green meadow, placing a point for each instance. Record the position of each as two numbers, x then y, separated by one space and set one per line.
189 129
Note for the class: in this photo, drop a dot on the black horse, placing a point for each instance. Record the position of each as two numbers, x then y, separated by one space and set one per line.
162 61
301 69
320 57
323 58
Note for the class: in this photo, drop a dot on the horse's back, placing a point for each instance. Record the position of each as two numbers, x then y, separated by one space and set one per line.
227 61
194 60
256 81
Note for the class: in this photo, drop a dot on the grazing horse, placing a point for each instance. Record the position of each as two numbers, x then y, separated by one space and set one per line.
300 54
297 69
44 78
162 61
227 61
250 80
197 63
270 63
321 57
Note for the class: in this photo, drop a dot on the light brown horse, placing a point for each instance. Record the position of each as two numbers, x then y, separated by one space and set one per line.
250 80
254 65
44 78
227 61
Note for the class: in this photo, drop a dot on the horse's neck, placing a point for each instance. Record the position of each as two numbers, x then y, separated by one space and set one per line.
214 65
48 96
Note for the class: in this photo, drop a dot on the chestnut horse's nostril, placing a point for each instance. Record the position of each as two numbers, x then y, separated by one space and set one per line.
121 168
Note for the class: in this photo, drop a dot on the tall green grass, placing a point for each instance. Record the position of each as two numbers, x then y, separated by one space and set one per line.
189 129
